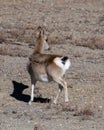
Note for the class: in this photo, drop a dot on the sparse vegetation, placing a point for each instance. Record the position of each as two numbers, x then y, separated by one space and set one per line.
92 43
85 112
39 127
75 28
13 51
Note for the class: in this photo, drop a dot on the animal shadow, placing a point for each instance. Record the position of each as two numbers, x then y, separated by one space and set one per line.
18 93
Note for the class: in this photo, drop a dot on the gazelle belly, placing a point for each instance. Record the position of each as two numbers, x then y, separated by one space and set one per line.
44 78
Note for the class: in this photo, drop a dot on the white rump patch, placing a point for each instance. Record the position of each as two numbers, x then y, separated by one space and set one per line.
59 63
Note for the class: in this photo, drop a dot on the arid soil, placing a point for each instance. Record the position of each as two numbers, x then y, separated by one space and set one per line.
74 28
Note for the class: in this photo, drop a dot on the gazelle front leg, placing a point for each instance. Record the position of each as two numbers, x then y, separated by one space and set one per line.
32 92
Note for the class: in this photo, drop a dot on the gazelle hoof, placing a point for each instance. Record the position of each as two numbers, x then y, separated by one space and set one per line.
30 102
67 100
55 102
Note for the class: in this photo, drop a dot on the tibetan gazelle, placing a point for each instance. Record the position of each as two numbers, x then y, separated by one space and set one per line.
47 67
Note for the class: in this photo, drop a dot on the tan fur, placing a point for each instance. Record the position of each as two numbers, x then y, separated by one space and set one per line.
42 67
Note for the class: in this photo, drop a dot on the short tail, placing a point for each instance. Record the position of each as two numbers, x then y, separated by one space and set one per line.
64 59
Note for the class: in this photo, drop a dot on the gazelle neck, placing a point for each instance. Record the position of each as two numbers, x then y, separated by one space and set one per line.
42 43
39 46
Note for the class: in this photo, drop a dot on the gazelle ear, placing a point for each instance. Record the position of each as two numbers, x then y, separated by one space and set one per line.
39 28
40 31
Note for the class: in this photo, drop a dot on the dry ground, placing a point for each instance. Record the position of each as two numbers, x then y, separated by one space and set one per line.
75 28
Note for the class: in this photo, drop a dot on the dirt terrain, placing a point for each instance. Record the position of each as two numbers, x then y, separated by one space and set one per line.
74 28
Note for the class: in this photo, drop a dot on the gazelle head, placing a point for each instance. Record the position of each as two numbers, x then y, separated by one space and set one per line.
42 40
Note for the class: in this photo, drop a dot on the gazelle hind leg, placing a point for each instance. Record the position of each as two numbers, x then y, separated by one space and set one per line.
66 92
64 84
58 94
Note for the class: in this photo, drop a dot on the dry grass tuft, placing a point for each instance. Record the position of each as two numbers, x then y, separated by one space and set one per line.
26 34
95 2
92 2
5 50
85 113
49 105
67 108
39 127
92 43
55 40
